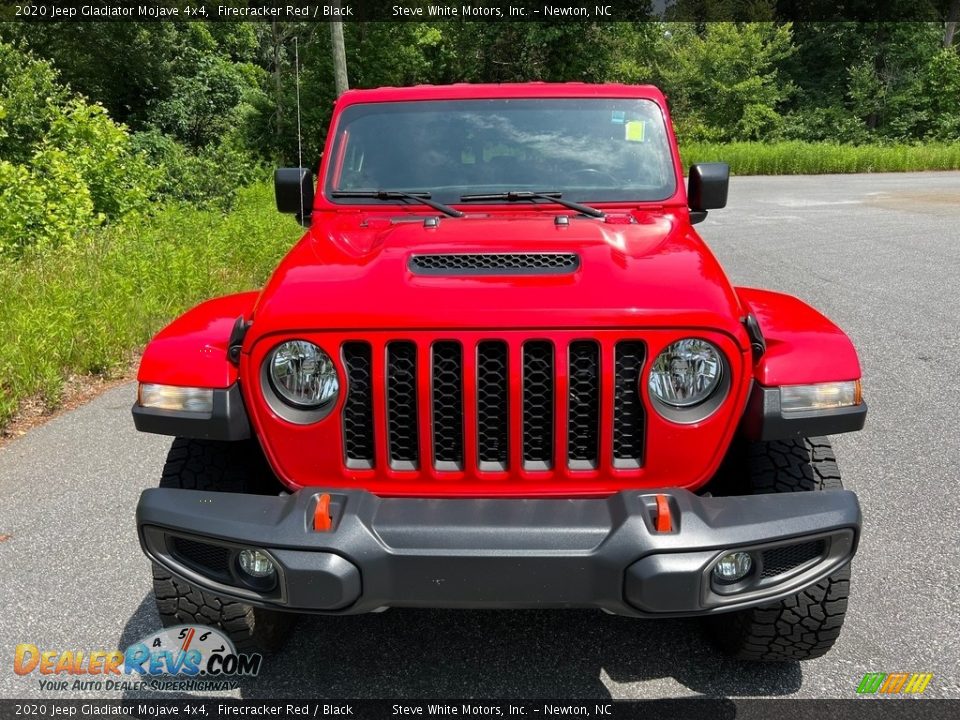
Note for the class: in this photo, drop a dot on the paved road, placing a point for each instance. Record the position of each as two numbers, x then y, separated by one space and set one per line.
879 254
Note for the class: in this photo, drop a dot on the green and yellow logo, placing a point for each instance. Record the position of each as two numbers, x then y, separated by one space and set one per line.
894 683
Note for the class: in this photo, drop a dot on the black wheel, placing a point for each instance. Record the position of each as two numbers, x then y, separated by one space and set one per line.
220 467
806 625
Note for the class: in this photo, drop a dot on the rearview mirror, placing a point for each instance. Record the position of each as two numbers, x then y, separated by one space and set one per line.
707 188
294 191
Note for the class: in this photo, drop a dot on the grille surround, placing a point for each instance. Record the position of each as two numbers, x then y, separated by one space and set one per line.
583 405
446 401
493 428
359 437
629 413
540 263
403 430
493 405
539 404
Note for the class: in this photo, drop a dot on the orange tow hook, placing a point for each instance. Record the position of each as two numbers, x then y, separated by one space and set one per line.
664 519
322 522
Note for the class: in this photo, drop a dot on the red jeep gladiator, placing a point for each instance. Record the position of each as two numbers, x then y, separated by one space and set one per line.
502 370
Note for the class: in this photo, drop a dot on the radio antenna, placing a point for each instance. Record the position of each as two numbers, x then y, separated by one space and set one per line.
296 64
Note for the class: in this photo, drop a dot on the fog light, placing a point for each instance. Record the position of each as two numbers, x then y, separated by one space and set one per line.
256 564
732 567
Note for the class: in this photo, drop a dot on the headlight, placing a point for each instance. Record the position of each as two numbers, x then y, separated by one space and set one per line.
303 375
686 373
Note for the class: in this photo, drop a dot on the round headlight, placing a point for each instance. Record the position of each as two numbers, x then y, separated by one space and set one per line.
303 375
686 373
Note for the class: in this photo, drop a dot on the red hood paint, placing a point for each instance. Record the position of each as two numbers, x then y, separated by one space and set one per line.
350 270
646 268
644 275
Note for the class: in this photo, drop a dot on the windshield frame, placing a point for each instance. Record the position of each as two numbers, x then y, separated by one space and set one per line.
333 159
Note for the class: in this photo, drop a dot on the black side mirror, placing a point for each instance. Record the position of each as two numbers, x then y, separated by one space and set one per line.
707 188
294 191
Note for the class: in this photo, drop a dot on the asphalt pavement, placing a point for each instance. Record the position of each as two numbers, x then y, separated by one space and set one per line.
879 254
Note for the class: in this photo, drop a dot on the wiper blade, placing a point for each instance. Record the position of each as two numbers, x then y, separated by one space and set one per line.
529 195
421 197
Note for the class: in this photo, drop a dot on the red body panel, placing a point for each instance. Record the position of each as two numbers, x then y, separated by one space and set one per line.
803 346
644 274
350 272
675 455
192 350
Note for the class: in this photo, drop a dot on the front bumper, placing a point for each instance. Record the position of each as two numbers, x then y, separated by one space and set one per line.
500 553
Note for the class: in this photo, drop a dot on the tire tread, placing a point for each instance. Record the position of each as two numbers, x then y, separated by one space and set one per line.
806 625
216 466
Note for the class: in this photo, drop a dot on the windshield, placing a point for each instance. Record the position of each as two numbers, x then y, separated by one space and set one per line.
587 149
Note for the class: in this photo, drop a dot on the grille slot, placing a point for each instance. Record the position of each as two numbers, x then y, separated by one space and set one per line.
538 405
628 413
447 403
492 405
358 407
404 437
783 559
209 559
583 405
495 264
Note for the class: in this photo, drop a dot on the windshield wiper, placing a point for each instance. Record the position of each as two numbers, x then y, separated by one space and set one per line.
529 195
421 197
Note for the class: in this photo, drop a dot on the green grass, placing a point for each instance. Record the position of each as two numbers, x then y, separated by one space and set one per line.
84 310
802 158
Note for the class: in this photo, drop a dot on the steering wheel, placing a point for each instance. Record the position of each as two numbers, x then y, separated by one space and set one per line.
595 173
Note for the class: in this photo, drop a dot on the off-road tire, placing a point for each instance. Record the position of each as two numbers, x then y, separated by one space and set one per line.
806 625
220 467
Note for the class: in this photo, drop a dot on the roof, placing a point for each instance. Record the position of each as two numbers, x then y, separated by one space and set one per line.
469 91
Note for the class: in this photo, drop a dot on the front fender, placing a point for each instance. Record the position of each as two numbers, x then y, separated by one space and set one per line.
803 345
192 350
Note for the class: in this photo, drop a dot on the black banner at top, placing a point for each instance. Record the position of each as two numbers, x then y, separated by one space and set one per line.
481 10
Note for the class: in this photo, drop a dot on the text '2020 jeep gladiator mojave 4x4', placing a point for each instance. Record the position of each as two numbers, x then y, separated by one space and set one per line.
501 370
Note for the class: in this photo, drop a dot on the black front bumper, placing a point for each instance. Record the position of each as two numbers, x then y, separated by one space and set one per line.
500 553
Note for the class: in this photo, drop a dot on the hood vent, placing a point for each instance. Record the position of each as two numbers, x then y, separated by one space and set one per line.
495 264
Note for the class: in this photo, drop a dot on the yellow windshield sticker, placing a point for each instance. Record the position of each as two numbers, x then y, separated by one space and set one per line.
635 130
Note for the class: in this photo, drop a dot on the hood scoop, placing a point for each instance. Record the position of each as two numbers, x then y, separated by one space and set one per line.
549 263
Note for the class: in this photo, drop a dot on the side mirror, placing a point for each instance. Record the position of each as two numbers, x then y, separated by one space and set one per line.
294 191
707 188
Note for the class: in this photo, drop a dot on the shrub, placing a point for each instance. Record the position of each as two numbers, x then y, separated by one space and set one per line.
84 308
208 177
65 167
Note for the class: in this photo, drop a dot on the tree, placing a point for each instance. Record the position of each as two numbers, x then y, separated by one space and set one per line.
724 81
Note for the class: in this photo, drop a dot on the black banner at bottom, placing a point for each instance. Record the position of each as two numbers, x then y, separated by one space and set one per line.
682 709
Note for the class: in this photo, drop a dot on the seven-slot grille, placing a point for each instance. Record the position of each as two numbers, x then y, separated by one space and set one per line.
443 398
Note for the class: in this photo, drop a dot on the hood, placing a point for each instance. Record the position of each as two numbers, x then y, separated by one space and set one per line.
353 271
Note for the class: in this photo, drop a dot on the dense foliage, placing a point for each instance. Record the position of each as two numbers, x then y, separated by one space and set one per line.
85 308
232 85
122 144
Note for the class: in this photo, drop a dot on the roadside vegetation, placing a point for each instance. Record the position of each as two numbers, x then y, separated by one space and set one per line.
134 157
807 158
82 308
